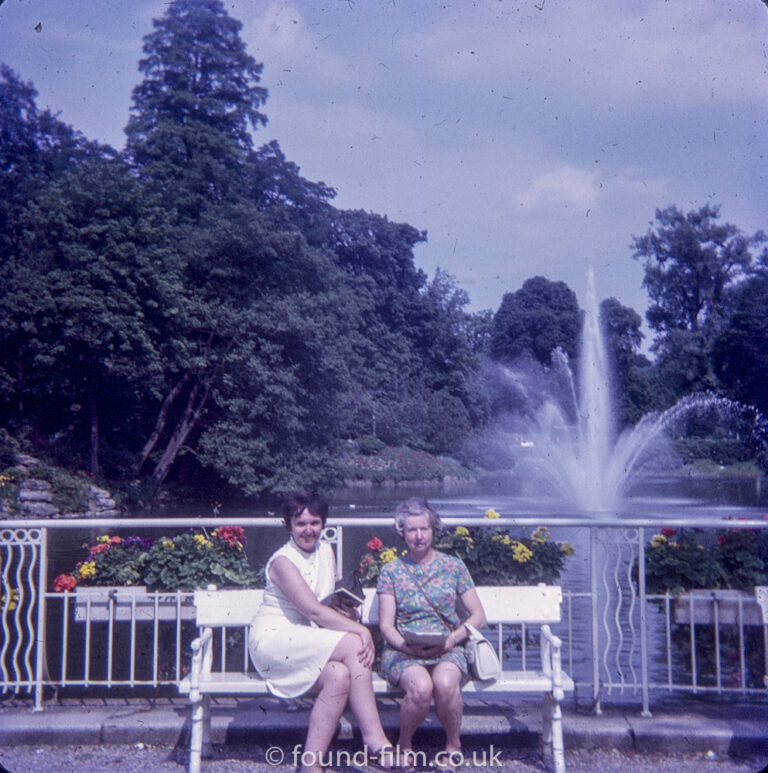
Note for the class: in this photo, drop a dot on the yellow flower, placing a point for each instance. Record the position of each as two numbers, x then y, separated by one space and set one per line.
658 540
506 539
521 553
491 514
88 569
567 548
104 538
390 554
201 542
166 543
462 531
13 600
540 536
497 538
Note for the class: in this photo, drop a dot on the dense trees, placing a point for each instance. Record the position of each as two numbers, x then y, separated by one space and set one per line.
194 305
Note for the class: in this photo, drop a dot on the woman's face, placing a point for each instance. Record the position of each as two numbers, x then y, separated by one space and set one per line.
306 529
417 533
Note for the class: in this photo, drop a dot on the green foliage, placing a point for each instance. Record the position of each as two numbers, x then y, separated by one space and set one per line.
496 557
691 263
740 352
184 562
398 464
678 560
534 321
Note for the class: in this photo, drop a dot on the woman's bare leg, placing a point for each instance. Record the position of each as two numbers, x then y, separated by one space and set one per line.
417 683
362 701
333 690
449 706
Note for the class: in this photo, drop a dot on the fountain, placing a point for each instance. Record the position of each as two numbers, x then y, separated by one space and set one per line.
568 436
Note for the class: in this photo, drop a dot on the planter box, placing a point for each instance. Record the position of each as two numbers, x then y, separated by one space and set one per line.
698 606
127 603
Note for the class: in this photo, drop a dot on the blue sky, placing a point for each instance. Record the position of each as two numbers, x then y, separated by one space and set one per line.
526 137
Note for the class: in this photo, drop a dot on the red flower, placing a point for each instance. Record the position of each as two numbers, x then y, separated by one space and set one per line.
115 540
64 582
374 544
668 531
232 535
721 540
100 548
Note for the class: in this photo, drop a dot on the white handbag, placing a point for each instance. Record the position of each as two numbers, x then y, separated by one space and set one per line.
481 656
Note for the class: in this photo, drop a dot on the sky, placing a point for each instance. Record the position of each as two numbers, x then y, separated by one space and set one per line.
527 138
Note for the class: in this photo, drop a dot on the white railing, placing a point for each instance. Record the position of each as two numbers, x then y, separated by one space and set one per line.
619 643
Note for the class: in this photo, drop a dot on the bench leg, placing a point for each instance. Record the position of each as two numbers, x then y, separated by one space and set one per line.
552 732
201 727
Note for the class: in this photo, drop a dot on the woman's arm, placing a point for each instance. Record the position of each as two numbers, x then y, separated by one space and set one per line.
474 606
287 577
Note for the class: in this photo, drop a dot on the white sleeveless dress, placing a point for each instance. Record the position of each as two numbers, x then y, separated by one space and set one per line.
288 650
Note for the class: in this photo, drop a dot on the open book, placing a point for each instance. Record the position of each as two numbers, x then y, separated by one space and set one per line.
348 591
425 638
342 595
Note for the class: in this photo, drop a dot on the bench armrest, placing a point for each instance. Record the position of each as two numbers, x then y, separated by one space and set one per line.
551 660
202 657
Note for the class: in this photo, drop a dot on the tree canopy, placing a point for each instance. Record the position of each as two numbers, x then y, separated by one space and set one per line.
194 309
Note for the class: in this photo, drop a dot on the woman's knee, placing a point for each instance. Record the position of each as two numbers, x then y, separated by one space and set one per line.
335 675
446 682
418 686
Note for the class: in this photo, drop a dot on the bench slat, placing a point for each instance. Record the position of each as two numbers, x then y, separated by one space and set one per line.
536 604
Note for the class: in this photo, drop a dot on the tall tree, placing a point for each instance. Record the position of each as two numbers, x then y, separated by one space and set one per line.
192 114
536 319
691 262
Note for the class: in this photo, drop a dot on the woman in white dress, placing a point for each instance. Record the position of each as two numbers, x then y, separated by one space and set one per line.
299 645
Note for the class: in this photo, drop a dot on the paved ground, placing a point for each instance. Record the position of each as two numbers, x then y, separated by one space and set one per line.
141 758
113 736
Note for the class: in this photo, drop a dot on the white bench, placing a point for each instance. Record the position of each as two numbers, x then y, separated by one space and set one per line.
527 605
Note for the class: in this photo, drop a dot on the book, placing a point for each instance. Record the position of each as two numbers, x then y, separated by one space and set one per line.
340 596
348 591
424 638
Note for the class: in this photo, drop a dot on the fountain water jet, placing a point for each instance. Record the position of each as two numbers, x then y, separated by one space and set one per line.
570 434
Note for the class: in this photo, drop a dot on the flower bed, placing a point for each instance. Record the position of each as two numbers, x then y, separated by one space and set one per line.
493 556
679 560
191 560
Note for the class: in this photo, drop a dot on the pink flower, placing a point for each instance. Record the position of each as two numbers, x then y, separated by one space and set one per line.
374 544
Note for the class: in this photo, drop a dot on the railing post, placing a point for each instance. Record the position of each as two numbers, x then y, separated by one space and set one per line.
646 712
42 574
595 630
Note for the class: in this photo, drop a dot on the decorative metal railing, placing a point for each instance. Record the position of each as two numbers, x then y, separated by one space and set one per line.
620 643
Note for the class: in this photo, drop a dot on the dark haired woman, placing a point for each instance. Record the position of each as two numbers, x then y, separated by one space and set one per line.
299 645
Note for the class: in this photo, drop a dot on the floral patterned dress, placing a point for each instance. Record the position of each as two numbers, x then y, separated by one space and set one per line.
444 579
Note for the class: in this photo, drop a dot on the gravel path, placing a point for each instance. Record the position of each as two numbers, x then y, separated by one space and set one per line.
142 758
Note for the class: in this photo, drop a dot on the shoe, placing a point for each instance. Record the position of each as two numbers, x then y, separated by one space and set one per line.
407 761
384 758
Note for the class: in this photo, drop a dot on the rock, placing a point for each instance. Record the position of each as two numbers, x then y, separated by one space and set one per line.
39 509
34 490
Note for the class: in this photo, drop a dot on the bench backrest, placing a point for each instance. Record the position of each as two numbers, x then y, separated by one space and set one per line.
510 604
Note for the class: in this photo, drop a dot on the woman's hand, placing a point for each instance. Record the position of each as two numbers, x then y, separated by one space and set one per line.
367 651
